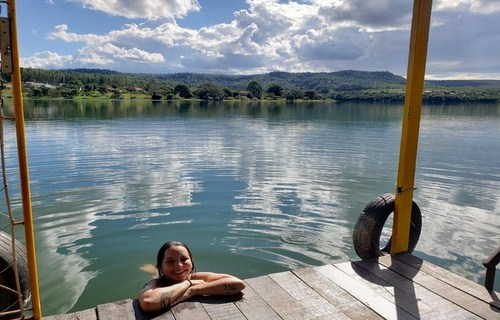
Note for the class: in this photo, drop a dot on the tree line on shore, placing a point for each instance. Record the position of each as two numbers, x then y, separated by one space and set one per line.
340 86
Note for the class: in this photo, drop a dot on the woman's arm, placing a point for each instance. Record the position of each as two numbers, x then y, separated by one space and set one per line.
212 284
154 298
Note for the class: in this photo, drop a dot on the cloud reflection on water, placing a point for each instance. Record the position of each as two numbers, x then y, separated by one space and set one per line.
280 185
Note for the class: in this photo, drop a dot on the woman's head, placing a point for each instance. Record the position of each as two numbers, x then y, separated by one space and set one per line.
174 262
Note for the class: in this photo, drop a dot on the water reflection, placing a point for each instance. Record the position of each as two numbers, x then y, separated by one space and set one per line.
253 188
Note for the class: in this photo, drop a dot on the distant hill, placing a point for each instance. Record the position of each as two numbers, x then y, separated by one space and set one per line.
347 85
322 82
91 71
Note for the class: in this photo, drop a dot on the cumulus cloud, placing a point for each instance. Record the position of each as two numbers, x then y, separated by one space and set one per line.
341 44
296 36
381 13
478 6
146 9
46 59
103 50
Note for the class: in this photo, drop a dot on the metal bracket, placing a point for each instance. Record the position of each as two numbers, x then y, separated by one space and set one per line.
401 190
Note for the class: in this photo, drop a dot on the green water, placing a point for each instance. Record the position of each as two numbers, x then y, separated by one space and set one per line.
252 188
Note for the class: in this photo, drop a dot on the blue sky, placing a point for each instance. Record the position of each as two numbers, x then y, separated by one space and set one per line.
256 36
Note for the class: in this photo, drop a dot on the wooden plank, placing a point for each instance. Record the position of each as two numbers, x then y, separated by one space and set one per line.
223 311
364 293
190 310
141 315
89 314
120 310
164 316
452 279
254 307
337 296
281 301
430 305
316 305
404 299
464 300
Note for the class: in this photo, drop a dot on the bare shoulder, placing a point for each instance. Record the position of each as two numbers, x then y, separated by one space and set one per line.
152 284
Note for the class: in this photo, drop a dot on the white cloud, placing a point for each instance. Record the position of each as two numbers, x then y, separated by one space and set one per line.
46 59
107 49
477 6
313 35
463 76
146 9
369 13
109 53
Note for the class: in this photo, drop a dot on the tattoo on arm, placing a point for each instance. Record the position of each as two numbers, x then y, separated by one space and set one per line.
165 300
229 288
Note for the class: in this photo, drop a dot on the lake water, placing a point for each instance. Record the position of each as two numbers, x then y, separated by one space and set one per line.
252 188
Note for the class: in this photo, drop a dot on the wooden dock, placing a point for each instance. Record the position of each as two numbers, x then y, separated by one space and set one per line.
398 287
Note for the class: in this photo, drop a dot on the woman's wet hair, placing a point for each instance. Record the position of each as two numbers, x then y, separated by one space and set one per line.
161 254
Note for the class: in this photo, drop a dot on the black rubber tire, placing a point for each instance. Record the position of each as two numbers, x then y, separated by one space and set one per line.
366 235
7 277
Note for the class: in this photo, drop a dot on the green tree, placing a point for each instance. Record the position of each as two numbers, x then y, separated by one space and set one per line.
311 95
295 94
155 96
227 92
209 91
183 91
275 89
255 89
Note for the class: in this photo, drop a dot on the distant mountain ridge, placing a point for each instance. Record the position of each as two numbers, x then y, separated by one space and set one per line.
346 80
90 71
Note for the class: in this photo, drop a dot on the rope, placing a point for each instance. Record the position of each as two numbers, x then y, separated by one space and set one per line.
9 209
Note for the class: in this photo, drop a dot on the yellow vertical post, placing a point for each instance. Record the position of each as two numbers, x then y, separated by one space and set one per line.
23 163
411 123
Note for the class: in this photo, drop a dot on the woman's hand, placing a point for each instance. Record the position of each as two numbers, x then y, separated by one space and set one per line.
188 293
197 282
185 296
154 298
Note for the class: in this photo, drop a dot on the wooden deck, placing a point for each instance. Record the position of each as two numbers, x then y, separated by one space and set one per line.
399 287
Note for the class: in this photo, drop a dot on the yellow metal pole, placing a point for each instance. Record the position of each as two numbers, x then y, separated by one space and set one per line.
23 163
411 123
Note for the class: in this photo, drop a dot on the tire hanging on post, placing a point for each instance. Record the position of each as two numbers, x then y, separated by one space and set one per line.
9 298
368 229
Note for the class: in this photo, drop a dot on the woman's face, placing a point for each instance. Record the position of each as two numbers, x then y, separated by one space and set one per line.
176 264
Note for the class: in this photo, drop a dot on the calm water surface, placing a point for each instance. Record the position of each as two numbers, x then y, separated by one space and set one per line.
253 189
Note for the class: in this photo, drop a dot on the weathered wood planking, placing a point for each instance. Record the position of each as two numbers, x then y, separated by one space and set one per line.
316 306
164 316
281 302
404 299
120 310
431 305
189 310
452 279
451 293
336 296
89 314
364 293
399 287
254 307
223 311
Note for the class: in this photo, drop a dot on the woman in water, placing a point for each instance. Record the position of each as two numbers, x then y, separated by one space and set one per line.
177 280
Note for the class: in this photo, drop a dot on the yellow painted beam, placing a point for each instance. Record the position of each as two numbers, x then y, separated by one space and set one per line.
23 163
411 123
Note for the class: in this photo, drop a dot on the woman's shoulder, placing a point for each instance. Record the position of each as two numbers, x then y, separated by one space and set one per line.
152 284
